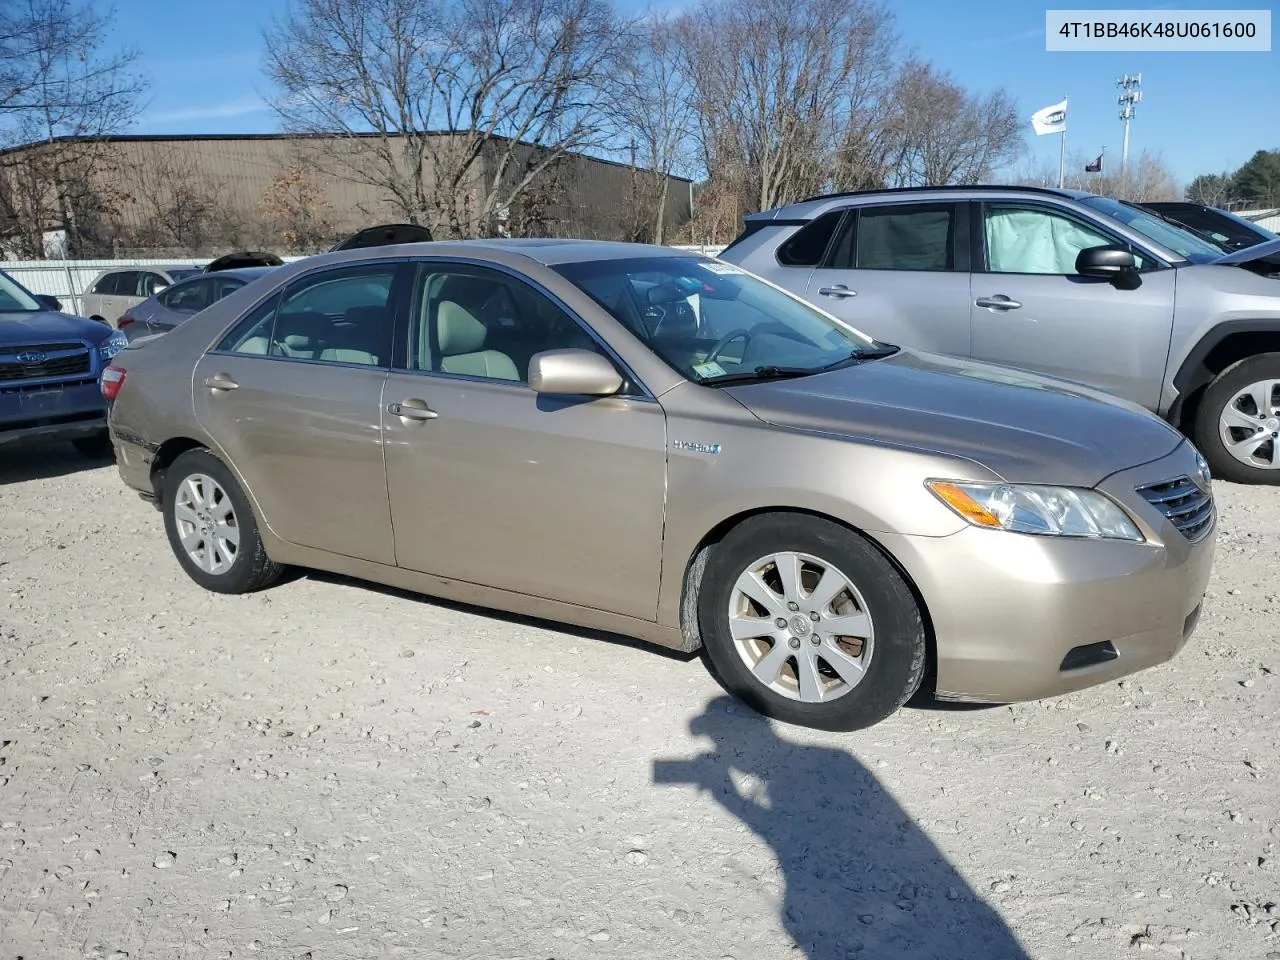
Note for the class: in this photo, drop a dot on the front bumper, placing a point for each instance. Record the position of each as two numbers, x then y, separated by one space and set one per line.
1020 617
53 411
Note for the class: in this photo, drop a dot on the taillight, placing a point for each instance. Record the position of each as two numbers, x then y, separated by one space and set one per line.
112 381
124 321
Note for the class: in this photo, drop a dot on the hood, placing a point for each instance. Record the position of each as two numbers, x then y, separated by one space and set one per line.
1268 251
1026 428
47 326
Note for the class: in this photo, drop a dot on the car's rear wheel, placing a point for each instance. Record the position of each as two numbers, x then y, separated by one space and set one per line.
96 446
1238 422
809 623
211 526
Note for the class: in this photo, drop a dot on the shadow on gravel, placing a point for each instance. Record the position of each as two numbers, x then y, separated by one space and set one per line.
584 633
43 460
862 880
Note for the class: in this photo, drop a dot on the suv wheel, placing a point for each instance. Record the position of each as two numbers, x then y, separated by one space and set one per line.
809 623
211 526
1238 424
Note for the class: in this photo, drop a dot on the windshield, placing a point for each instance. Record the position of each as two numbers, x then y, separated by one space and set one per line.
13 298
1181 242
713 322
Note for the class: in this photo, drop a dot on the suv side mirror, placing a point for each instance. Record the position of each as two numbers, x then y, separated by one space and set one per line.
571 372
49 302
1110 261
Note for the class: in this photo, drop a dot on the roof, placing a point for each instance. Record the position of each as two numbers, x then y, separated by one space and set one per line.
204 137
804 207
553 250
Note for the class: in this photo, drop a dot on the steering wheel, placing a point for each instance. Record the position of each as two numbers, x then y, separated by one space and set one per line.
742 333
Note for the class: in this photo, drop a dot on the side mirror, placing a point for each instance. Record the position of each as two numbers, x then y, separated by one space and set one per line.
1110 261
49 302
573 372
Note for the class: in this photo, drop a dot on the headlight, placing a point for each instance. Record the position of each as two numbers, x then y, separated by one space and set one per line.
109 347
1048 511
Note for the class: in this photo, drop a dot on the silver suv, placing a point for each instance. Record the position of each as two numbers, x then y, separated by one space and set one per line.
1065 283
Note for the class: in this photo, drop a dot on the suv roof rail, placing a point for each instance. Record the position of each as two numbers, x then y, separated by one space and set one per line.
944 187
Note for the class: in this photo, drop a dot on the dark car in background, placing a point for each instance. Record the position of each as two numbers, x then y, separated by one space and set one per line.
175 304
50 366
1220 227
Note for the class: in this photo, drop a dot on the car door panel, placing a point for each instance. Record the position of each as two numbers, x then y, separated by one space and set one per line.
560 498
552 496
306 440
1078 328
887 283
305 431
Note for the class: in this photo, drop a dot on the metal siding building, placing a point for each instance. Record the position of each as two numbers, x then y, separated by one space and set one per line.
580 196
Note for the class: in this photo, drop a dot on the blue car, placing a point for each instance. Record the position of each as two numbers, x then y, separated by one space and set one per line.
50 367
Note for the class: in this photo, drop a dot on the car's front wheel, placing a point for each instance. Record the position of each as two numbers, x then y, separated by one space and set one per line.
211 526
1238 422
809 623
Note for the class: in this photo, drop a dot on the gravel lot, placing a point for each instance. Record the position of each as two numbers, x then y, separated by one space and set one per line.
333 770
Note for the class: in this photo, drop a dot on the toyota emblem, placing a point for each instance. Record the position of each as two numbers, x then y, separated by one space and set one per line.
32 356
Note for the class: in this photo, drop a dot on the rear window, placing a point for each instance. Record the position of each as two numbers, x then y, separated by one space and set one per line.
807 245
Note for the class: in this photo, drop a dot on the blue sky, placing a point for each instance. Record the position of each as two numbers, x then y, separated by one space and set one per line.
1202 112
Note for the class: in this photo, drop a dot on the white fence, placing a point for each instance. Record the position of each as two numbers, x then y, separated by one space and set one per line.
68 279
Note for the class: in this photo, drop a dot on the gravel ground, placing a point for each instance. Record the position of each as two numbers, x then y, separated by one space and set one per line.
334 770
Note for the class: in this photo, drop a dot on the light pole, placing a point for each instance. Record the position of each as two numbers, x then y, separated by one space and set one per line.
1131 95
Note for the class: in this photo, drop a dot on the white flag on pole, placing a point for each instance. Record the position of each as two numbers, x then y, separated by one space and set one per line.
1050 119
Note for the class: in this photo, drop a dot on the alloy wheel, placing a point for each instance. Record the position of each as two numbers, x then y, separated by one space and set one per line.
801 627
206 521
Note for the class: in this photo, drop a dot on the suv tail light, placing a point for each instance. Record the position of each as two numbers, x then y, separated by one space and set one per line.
112 381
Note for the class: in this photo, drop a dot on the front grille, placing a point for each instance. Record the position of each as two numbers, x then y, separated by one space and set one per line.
1188 507
55 360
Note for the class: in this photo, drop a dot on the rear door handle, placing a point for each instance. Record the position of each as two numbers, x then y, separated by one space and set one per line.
412 409
837 290
998 302
220 381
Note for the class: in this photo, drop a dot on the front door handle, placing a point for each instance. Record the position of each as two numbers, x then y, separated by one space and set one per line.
221 381
837 290
998 302
412 410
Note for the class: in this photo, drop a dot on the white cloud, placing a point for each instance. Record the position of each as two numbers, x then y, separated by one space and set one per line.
235 108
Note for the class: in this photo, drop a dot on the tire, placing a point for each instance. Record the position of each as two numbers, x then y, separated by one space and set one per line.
1230 397
200 490
892 654
95 447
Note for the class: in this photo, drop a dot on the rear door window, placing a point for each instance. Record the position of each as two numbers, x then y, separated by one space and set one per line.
901 237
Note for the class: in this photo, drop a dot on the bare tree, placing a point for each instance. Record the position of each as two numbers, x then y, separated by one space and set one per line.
179 208
58 90
298 210
938 133
1148 178
654 112
435 103
777 84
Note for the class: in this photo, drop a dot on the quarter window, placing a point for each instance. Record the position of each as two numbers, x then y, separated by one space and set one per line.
807 245
1035 240
476 322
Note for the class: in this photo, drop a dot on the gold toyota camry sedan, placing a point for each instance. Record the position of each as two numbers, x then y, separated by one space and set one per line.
656 443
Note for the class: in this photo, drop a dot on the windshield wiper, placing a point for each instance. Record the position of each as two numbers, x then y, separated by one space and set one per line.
767 372
869 353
